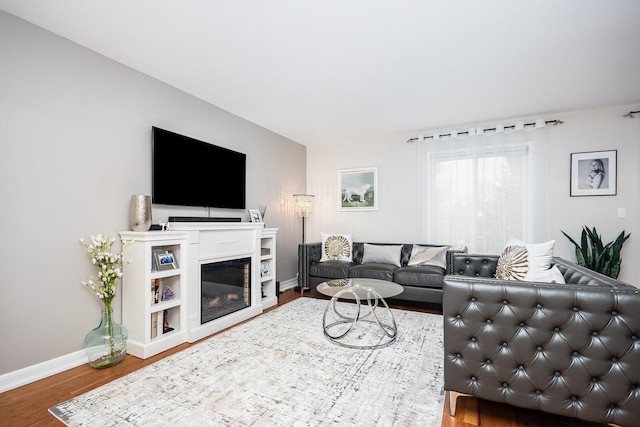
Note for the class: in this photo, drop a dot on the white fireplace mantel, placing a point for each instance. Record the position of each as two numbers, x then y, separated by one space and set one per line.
213 242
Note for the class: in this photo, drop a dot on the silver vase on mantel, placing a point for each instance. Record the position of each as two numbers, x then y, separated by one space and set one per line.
140 212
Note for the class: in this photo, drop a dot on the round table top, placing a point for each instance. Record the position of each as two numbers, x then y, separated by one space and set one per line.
359 286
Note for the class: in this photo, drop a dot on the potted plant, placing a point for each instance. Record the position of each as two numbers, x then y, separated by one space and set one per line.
591 253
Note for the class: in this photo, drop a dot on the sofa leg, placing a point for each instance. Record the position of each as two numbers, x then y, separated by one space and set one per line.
453 397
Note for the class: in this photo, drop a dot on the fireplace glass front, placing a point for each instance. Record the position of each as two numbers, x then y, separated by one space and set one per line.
225 288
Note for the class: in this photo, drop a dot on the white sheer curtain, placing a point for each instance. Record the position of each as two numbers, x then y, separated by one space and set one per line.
482 189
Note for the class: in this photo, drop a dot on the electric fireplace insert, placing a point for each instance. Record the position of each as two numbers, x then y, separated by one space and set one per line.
225 288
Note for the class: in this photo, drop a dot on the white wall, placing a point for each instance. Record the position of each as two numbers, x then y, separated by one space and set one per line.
397 218
597 130
75 141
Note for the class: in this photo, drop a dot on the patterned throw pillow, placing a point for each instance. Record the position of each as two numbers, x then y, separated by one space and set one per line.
539 256
427 255
336 247
525 261
513 263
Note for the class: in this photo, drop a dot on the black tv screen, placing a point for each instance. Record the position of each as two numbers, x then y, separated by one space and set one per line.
189 172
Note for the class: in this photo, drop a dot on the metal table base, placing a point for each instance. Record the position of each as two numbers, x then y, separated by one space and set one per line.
386 328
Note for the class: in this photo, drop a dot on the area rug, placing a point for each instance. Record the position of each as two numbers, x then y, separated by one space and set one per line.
279 369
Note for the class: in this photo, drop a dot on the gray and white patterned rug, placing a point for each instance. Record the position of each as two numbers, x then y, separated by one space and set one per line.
278 369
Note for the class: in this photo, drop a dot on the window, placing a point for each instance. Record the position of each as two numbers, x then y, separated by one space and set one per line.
479 191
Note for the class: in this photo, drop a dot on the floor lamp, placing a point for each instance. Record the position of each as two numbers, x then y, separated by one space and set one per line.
304 203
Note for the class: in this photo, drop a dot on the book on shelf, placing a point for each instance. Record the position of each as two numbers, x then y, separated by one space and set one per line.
154 325
155 291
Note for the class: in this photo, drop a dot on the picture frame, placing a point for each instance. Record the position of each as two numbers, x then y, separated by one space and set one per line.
255 215
358 189
594 173
264 268
164 259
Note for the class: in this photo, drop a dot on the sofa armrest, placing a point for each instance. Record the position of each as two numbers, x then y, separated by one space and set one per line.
567 349
472 265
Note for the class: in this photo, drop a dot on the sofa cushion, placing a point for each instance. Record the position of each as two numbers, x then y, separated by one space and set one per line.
336 247
331 269
372 270
429 276
385 254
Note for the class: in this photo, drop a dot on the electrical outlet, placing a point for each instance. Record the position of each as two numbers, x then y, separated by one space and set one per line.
622 212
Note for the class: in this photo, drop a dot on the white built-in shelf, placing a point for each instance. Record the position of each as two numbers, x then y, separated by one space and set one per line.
143 317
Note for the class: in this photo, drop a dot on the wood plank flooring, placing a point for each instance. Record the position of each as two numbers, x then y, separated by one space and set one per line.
28 405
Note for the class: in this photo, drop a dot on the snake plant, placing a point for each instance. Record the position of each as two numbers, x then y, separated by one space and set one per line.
591 253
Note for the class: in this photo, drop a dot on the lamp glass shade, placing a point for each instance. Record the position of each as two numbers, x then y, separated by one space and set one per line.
304 203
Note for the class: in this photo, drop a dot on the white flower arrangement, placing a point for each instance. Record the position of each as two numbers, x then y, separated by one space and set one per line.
109 266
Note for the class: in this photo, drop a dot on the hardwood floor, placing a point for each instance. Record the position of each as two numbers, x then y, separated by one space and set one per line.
28 405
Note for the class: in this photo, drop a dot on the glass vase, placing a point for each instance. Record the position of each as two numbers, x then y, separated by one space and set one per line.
107 344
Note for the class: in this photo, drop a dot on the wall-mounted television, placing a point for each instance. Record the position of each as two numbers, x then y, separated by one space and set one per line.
189 172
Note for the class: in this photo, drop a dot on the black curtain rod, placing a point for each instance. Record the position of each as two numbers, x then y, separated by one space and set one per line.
548 122
631 114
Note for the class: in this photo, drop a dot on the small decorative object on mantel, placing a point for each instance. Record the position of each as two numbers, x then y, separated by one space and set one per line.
255 215
106 345
140 212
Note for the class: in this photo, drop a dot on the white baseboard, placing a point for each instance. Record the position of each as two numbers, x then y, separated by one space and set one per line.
45 369
288 284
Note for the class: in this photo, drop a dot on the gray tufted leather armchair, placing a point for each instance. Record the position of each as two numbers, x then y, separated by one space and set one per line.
567 349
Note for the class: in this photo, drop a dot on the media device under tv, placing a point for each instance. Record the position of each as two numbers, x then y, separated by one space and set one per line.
189 172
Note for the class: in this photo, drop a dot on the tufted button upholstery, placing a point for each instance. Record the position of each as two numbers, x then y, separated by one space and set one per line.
571 350
473 265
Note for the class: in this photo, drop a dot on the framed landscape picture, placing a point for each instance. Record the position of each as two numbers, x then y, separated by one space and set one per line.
358 189
594 173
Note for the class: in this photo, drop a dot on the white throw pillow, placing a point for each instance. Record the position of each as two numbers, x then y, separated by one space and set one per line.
336 247
427 255
539 256
385 254
552 275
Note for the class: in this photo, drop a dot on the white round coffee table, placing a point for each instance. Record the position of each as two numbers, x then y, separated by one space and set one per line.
361 326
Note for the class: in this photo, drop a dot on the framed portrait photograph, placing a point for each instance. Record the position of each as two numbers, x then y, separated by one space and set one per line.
255 215
594 173
358 189
164 260
264 268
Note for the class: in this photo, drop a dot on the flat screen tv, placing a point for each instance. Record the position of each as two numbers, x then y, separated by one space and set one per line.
189 172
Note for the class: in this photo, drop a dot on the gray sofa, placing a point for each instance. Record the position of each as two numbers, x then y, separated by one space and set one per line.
421 283
567 349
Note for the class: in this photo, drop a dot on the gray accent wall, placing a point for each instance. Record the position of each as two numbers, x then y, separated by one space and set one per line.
75 138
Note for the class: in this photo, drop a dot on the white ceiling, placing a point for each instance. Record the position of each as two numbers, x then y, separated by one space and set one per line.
335 71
